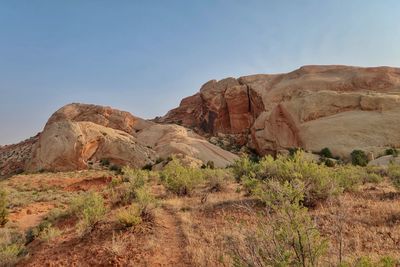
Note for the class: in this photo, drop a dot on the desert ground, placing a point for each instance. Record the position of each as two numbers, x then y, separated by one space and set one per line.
133 217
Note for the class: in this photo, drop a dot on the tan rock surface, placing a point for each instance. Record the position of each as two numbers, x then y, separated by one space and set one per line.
340 107
78 134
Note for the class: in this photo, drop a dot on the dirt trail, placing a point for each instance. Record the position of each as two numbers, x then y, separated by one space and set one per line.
170 249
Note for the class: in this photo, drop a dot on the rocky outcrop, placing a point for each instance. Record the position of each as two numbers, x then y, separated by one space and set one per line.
339 107
13 158
78 135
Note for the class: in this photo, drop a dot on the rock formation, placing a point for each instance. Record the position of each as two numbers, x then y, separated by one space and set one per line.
339 107
78 135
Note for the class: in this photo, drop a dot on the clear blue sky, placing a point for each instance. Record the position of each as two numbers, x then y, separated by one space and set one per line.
144 56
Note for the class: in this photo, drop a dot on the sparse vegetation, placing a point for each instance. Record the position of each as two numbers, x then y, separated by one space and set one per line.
105 162
116 168
359 158
394 174
130 217
392 151
11 247
318 179
244 167
287 237
179 179
3 208
274 225
90 209
326 152
216 179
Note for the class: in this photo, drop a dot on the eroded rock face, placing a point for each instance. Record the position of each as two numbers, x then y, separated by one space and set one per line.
79 134
339 107
68 145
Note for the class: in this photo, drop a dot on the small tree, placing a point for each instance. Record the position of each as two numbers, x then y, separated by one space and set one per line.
358 157
3 208
326 152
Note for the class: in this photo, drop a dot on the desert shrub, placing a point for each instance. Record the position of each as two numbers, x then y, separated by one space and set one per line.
179 179
371 177
287 237
392 151
326 152
137 178
349 177
380 170
133 179
250 184
359 158
3 208
130 217
394 174
11 247
244 167
145 200
105 162
209 164
319 180
49 233
328 162
365 261
116 168
90 209
216 179
294 150
148 167
34 232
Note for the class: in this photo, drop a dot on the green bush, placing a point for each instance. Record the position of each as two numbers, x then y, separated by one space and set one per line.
319 180
133 180
372 178
145 200
394 174
392 151
349 177
148 167
244 167
3 208
90 209
105 162
287 237
130 217
326 152
116 168
328 162
250 184
359 158
179 179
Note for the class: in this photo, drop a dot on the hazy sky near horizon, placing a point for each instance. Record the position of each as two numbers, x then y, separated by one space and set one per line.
144 56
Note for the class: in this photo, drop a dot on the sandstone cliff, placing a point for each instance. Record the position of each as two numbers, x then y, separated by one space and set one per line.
339 107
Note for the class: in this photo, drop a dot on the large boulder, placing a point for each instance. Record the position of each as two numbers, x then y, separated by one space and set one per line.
68 145
339 107
77 135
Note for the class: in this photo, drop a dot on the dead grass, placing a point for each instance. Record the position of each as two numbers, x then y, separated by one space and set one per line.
192 230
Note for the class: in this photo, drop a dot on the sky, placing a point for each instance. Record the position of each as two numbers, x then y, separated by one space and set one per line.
145 56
